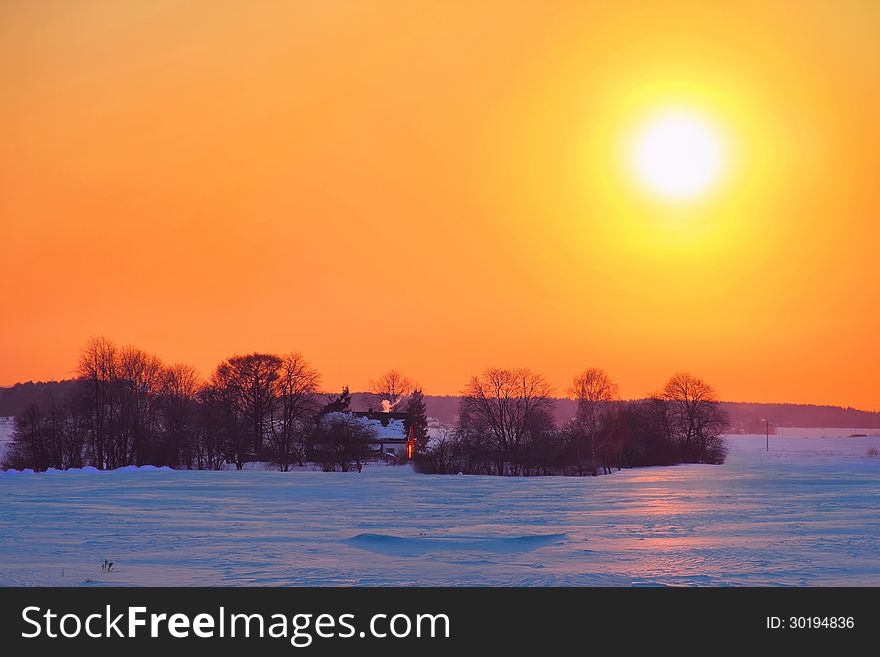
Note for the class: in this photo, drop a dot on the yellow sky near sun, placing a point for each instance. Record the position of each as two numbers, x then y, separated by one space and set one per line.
440 186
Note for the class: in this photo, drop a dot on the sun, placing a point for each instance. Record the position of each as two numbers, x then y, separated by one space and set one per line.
677 155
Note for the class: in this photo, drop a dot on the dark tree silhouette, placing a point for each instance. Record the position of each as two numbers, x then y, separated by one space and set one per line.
594 392
140 378
296 393
500 406
219 435
337 403
249 383
417 419
180 397
694 418
341 442
98 365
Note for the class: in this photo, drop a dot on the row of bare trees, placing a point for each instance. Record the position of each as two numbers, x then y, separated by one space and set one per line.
263 407
129 408
506 426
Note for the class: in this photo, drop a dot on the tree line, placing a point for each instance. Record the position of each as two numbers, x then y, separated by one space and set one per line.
506 426
129 408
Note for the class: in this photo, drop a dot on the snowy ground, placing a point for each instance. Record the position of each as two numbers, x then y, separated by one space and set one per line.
803 514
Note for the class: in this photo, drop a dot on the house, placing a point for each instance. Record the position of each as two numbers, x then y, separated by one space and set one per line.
394 441
390 437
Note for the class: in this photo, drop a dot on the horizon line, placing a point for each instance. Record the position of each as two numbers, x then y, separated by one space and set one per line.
563 398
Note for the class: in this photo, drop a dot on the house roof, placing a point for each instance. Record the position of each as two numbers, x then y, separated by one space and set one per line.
388 427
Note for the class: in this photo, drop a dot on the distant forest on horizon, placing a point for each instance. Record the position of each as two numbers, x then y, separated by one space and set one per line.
745 417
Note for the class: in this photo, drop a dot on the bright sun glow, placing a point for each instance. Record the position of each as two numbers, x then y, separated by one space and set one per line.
677 155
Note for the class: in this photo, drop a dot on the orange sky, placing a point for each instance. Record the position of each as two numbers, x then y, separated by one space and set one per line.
436 186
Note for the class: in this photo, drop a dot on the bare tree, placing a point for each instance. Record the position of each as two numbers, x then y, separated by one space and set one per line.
392 386
123 387
296 392
68 427
501 406
694 418
98 366
219 438
29 448
249 381
49 436
593 390
180 389
140 380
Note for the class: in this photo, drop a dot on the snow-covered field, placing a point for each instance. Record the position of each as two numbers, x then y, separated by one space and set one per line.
803 514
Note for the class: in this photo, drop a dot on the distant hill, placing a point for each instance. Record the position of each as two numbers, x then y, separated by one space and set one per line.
15 399
749 417
745 417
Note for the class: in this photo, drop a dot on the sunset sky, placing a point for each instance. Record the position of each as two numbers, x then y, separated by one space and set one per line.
443 186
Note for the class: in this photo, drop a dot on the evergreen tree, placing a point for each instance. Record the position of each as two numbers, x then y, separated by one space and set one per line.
417 418
338 403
